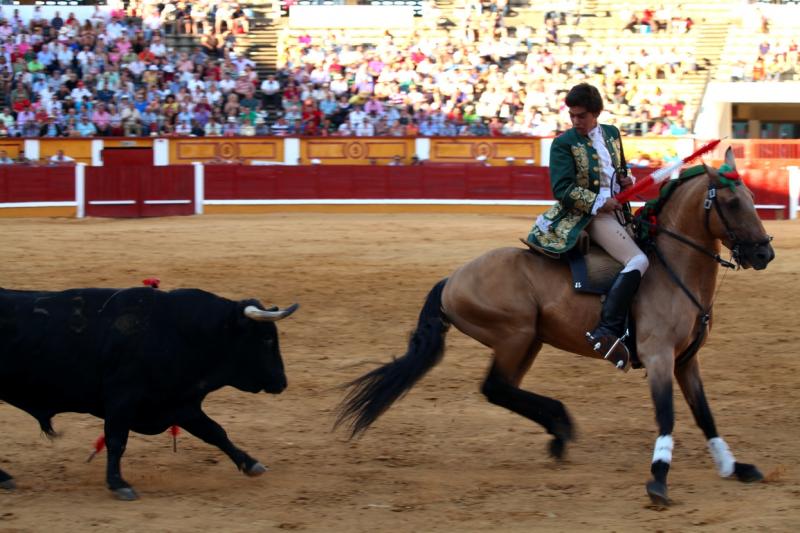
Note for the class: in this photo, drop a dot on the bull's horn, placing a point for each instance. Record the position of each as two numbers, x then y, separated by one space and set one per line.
254 313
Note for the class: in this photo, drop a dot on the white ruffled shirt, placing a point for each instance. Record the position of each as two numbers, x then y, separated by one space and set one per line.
608 185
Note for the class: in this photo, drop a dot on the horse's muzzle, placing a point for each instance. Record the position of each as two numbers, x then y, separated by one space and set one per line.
757 256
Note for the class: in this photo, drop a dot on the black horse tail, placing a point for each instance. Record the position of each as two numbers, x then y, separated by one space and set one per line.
374 392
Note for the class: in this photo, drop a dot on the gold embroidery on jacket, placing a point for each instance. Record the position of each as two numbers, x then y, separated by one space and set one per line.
617 150
556 238
583 199
581 157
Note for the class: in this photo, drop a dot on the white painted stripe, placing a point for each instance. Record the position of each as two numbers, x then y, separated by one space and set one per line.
37 204
97 152
663 449
165 202
545 145
160 152
723 458
422 148
31 149
384 201
112 202
377 201
409 201
291 151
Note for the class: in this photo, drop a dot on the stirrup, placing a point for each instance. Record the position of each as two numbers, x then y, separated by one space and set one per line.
612 348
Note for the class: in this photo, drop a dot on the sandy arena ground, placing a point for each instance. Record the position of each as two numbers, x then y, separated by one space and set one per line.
442 459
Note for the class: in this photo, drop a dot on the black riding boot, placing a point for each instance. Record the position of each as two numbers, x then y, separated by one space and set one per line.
607 338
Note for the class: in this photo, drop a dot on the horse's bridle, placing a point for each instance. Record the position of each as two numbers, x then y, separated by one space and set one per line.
737 244
711 200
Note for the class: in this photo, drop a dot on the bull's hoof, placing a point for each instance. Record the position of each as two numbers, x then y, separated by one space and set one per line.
8 484
256 470
126 494
747 473
557 448
658 493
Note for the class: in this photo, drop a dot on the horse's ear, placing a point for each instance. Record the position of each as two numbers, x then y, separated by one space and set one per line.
729 158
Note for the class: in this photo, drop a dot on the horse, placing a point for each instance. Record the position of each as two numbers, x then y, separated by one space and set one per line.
513 301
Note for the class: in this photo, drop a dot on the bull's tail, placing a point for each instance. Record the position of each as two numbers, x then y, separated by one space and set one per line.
374 392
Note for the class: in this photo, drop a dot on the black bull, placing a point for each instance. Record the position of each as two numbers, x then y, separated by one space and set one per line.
140 359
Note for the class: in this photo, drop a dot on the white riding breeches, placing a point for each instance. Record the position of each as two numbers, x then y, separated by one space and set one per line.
606 231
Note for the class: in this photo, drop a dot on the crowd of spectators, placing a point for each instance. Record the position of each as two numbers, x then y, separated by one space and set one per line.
112 74
484 78
775 58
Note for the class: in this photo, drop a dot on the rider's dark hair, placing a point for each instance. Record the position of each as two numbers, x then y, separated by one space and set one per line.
586 96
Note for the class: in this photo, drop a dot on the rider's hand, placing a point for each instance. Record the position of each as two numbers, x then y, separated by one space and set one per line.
611 205
625 182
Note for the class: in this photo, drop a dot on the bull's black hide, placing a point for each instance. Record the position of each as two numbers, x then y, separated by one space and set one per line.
141 359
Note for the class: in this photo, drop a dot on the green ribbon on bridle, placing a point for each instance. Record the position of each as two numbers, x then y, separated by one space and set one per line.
729 177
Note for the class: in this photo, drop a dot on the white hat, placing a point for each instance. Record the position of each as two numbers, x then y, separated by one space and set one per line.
510 158
481 158
529 161
315 161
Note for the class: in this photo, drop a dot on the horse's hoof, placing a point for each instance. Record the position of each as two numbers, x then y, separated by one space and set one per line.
256 470
8 484
557 447
126 494
658 493
747 473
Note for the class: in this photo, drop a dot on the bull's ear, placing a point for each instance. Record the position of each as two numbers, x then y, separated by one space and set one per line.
729 158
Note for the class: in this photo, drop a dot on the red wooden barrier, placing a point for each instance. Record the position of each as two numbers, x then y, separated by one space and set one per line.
124 191
36 184
455 182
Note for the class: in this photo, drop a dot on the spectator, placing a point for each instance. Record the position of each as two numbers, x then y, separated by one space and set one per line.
248 128
59 158
51 128
270 89
231 128
213 128
262 128
239 21
4 159
84 128
199 17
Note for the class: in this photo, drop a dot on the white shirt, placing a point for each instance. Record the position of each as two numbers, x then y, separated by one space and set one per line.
608 185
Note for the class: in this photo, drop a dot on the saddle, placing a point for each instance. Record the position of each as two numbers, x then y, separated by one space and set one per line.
593 271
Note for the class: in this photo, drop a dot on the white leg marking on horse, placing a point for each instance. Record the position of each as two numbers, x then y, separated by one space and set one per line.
722 456
663 449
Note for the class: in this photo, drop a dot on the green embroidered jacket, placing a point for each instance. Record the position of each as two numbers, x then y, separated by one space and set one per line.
575 182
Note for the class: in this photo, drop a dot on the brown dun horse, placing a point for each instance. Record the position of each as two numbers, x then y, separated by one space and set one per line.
513 301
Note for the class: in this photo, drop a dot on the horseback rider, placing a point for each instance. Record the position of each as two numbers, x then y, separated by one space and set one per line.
587 168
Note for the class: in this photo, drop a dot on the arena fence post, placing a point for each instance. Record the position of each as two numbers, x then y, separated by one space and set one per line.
794 190
199 186
80 190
